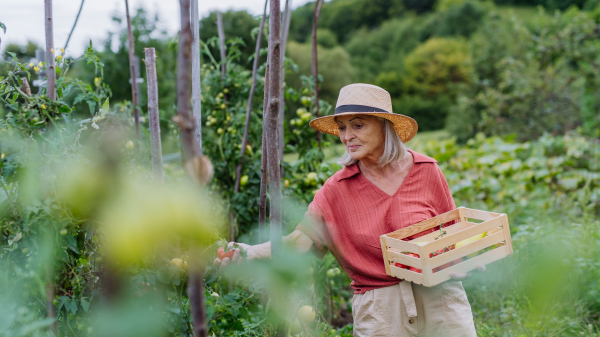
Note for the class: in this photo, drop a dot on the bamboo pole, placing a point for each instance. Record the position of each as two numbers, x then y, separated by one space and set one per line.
271 129
196 81
284 35
74 24
315 62
134 92
196 164
262 200
153 120
222 45
239 168
50 67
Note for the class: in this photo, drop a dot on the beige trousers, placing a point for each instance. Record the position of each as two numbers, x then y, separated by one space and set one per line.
407 309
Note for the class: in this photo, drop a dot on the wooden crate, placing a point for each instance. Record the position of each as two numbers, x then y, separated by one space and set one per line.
495 224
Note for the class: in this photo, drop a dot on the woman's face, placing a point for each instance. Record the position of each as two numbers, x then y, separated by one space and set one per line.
362 135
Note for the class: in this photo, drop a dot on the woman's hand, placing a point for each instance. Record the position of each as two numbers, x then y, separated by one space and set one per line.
237 255
464 276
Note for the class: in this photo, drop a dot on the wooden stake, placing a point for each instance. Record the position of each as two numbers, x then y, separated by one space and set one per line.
222 45
134 92
196 80
197 166
262 200
51 92
25 86
284 34
50 67
153 120
239 168
74 24
271 129
315 63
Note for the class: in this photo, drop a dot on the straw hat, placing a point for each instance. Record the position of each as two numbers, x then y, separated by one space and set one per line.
366 99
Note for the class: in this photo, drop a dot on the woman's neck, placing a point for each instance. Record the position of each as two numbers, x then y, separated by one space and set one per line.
373 169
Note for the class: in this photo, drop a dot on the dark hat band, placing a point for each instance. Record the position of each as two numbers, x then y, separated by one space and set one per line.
357 108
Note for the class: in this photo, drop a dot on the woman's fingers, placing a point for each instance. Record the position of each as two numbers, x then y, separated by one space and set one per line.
460 276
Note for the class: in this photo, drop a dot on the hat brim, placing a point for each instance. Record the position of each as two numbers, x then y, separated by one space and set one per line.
405 127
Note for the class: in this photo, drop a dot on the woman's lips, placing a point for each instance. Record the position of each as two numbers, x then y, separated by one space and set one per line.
353 147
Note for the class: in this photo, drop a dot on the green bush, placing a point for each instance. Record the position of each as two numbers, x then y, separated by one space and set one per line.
436 66
429 112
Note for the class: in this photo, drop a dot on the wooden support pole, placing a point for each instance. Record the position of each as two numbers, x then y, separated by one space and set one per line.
239 168
25 86
271 129
153 120
74 24
134 92
50 67
287 17
315 62
196 80
196 165
262 200
222 45
51 92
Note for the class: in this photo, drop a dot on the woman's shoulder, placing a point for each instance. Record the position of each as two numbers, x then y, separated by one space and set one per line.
421 158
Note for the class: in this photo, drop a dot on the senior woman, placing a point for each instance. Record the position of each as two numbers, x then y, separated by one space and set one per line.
383 187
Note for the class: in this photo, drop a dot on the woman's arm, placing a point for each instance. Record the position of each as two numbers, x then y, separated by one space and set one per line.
296 239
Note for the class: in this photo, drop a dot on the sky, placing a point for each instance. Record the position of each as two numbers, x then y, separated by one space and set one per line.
24 19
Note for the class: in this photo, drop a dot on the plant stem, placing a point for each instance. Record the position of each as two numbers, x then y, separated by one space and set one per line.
50 67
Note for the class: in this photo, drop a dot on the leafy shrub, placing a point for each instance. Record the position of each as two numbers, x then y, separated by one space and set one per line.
550 87
435 66
430 113
460 18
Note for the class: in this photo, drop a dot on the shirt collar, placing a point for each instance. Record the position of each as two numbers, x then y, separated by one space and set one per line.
351 171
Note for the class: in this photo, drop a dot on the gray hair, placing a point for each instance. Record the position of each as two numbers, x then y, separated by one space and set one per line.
393 150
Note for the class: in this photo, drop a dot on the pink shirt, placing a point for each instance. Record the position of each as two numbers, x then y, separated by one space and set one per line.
349 213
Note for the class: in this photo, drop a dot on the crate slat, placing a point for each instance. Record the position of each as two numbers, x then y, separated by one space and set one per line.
404 259
466 266
461 235
408 275
424 225
401 246
384 250
470 248
477 214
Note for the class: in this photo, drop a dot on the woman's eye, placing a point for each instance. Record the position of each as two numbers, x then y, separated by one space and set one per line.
341 128
358 126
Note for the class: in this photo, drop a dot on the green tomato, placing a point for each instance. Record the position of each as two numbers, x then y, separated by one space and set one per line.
306 116
305 100
219 130
244 180
63 232
301 111
331 273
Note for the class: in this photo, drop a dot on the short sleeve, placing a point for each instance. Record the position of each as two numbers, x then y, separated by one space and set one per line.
313 225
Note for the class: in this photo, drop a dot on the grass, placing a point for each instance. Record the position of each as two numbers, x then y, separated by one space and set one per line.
334 151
